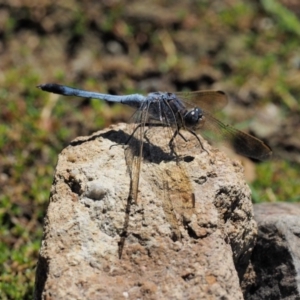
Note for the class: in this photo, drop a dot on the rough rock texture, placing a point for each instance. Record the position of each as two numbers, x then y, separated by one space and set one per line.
172 246
275 261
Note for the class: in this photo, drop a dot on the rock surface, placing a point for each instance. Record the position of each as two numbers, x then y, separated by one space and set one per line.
275 261
170 247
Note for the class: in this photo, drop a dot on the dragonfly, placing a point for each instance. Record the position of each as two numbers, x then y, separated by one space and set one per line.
178 112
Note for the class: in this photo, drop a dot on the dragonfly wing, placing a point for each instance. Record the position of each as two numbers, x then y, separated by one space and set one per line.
243 143
179 198
134 148
208 100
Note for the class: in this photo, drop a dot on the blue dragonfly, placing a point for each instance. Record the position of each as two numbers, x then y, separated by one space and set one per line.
190 111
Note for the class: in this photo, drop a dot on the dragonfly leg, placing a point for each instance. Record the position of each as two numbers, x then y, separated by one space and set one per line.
131 135
128 140
147 125
182 136
171 144
196 136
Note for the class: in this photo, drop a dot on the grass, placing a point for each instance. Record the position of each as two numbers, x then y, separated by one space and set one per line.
254 47
271 183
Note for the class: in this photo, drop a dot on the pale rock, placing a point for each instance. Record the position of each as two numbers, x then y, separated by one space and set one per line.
170 250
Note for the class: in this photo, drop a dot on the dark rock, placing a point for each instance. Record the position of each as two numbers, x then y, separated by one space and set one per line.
275 263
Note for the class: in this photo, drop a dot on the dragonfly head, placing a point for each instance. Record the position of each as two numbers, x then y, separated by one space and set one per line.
194 118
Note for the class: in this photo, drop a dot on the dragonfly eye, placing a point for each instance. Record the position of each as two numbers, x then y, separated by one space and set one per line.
193 116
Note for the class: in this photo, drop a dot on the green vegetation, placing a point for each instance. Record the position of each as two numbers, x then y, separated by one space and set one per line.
250 50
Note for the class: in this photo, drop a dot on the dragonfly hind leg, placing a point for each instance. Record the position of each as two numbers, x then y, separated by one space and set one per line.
132 134
146 125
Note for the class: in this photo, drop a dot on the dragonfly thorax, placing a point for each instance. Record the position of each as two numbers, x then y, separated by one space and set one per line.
194 118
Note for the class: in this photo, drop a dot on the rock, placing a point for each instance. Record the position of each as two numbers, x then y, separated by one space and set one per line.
275 261
191 241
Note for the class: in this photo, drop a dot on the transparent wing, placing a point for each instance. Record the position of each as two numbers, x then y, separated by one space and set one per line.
208 100
243 143
179 198
212 101
134 148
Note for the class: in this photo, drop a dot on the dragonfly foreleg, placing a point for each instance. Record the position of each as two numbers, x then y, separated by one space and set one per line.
196 136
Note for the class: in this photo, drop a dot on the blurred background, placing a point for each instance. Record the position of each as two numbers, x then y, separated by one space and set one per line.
249 49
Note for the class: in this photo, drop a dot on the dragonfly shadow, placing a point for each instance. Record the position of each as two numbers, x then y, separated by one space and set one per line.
151 152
